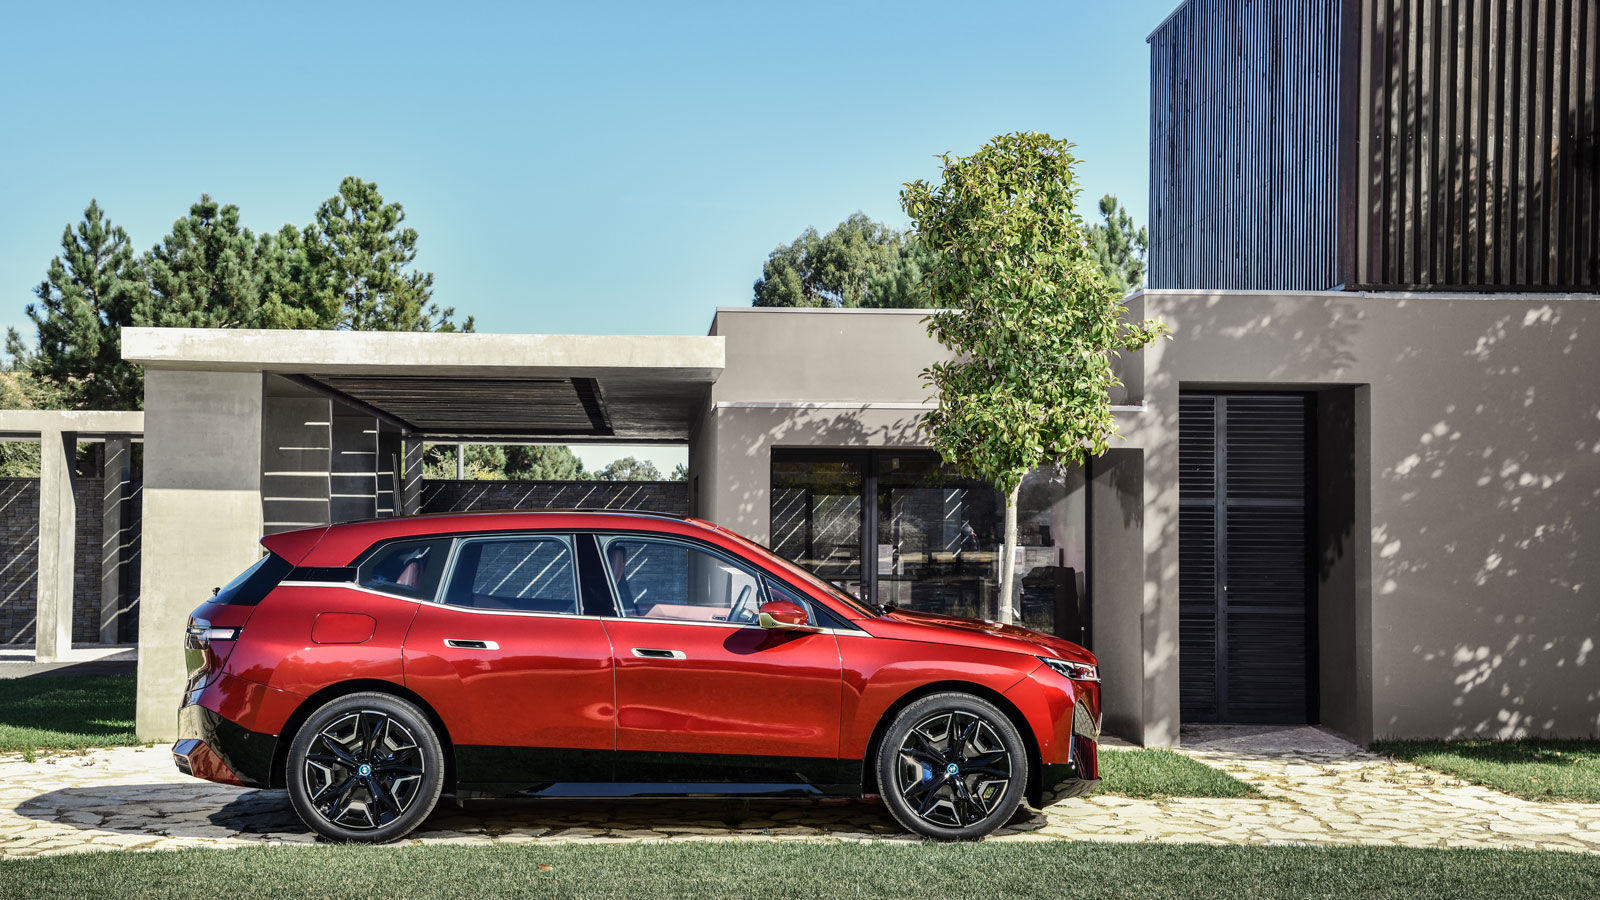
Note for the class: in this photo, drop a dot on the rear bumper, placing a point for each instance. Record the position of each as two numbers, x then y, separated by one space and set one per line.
212 747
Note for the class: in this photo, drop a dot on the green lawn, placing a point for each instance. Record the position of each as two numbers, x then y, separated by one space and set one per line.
707 871
1155 772
66 713
1533 769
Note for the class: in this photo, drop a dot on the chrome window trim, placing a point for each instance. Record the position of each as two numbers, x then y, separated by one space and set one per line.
349 586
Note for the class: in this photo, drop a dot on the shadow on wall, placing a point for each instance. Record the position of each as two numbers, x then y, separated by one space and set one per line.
1485 485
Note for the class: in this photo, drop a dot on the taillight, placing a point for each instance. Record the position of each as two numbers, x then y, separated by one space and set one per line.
205 649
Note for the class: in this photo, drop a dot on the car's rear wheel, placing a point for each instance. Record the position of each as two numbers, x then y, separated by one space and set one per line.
366 767
952 766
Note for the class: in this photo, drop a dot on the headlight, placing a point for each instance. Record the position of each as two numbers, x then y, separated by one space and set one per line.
1074 670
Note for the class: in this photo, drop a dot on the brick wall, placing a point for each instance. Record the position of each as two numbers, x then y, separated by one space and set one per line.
19 560
645 496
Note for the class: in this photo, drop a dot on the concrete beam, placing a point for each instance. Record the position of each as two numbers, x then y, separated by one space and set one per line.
23 422
202 517
58 531
662 359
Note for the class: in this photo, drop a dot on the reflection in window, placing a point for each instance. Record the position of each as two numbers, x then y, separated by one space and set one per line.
525 574
816 517
655 579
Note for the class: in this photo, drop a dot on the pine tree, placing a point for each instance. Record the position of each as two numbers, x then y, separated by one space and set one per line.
358 256
212 273
93 289
1118 247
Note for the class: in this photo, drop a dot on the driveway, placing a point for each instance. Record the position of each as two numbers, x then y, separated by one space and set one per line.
1320 790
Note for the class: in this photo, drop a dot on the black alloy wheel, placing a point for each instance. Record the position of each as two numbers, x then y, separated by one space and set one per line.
365 768
952 766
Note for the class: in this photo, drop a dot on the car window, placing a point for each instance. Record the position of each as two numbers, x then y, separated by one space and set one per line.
250 586
405 568
522 574
777 591
664 579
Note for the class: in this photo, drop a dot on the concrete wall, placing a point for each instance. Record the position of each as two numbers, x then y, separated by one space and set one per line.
202 517
1474 496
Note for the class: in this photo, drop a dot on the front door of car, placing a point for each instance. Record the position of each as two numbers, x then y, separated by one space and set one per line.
703 692
521 677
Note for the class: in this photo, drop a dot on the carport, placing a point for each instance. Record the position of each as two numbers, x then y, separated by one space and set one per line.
251 432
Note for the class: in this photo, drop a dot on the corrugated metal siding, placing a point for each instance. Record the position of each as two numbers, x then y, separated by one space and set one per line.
1482 159
1244 122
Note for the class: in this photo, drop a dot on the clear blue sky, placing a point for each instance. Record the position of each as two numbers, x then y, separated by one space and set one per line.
597 167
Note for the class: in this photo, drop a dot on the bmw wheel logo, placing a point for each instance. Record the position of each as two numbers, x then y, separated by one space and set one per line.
364 770
952 769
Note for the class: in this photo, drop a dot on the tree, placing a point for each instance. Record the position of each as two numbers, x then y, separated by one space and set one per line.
212 273
680 472
629 468
93 289
358 255
1118 247
859 263
1031 319
552 462
21 389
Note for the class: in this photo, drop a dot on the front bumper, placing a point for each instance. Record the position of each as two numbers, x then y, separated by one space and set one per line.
214 748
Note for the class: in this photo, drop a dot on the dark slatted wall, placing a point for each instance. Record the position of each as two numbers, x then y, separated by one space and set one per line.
1244 575
1244 125
1482 167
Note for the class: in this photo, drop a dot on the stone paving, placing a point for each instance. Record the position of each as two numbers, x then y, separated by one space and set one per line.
1319 790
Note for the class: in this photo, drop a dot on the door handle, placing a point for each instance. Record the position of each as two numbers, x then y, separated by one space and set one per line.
652 653
470 645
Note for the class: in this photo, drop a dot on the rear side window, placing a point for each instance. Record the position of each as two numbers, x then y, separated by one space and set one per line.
253 583
523 574
409 569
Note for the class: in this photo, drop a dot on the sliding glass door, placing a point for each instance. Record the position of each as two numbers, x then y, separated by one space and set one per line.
902 528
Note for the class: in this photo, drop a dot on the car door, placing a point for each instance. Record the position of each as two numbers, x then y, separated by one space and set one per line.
522 678
703 692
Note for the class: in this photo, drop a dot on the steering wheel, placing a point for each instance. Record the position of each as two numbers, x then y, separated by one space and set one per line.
744 609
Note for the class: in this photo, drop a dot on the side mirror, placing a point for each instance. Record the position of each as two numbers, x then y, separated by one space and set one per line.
784 615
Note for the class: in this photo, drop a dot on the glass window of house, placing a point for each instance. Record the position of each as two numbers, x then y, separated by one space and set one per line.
816 515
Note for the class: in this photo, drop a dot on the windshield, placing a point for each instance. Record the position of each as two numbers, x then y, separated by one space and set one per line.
801 574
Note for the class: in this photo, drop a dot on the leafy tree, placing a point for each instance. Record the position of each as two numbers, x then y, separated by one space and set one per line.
212 273
21 389
1030 317
629 468
680 472
551 462
858 263
90 291
358 254
1118 247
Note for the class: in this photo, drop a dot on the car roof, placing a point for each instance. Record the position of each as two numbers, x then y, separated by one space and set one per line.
337 545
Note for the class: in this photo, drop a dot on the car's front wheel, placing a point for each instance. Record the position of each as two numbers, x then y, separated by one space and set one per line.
366 767
952 766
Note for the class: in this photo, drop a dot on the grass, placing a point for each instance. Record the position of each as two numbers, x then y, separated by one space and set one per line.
1531 769
707 871
1155 772
66 713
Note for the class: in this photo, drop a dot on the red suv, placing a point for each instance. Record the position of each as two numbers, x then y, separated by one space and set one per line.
370 667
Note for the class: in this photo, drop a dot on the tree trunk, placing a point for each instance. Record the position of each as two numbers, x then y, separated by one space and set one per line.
1008 556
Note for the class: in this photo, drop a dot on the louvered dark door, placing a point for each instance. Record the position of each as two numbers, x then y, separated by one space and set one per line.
1244 572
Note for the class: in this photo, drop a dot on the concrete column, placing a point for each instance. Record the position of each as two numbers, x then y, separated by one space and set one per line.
202 517
58 531
461 462
1116 589
117 473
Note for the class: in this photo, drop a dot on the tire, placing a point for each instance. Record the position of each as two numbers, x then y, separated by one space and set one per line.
951 766
365 768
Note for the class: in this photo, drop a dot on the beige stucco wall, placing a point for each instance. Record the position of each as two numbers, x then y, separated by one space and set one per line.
1480 503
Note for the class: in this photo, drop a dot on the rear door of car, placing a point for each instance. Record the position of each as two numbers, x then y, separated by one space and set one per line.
519 670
